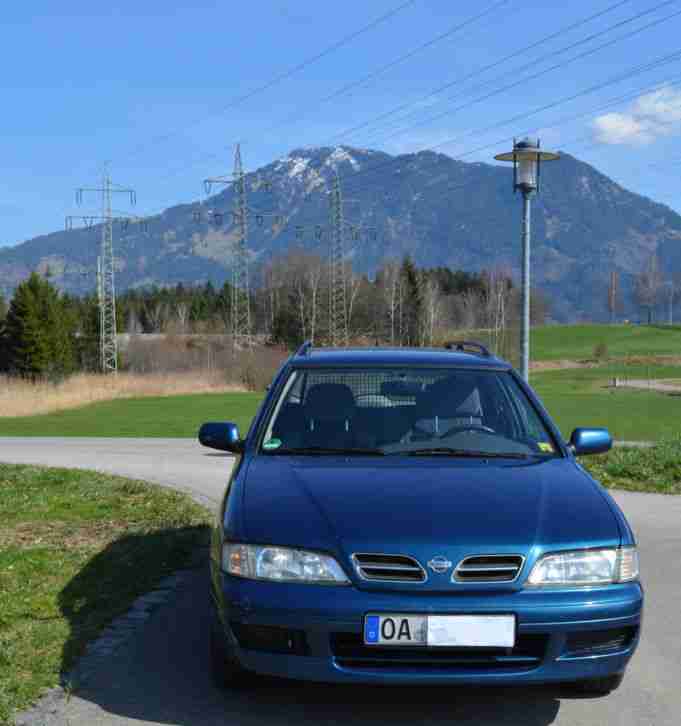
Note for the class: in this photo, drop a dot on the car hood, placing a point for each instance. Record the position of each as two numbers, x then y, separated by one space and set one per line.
425 507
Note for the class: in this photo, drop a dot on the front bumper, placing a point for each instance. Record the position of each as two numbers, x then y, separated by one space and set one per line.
325 625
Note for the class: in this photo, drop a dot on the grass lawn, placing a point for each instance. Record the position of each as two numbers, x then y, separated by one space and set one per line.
172 416
76 549
656 469
577 342
579 397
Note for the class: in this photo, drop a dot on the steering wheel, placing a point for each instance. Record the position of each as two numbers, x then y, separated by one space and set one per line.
468 427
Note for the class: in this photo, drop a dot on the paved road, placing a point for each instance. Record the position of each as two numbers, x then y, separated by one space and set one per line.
161 675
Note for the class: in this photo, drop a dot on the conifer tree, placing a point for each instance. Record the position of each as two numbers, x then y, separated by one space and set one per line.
38 332
413 305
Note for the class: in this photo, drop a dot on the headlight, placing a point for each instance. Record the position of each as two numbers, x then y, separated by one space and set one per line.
283 564
586 567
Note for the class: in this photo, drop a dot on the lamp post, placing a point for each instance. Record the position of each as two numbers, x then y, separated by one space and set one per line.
526 157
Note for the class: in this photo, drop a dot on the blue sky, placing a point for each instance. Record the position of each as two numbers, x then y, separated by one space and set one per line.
149 86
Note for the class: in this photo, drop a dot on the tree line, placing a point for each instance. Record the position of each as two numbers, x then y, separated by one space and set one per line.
48 334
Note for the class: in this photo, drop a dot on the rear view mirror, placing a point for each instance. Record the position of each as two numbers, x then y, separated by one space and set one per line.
221 435
590 441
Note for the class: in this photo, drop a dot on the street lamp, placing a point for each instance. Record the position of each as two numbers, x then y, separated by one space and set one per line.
526 157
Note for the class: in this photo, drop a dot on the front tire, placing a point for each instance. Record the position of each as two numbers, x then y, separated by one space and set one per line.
600 686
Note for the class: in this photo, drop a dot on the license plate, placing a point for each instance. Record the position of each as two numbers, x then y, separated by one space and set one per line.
463 631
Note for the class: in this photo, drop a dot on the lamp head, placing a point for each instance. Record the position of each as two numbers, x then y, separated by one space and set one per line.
526 157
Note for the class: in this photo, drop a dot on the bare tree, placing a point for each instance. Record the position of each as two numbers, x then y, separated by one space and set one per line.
353 287
431 310
497 303
471 307
182 314
647 286
133 323
300 293
156 313
272 283
298 279
390 289
315 273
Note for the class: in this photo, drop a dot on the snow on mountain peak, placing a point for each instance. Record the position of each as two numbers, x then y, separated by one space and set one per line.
298 165
338 155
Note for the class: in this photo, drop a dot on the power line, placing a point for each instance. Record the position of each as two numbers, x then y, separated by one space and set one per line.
608 104
479 71
357 83
545 71
525 80
343 90
637 70
401 7
623 98
238 100
566 119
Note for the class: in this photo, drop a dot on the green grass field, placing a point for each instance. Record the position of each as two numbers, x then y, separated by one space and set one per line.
582 397
76 549
574 397
171 416
577 342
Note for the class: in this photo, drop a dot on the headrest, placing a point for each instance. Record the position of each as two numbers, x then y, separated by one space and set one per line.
329 401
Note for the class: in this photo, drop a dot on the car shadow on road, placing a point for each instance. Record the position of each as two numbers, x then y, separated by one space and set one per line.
365 705
161 675
127 568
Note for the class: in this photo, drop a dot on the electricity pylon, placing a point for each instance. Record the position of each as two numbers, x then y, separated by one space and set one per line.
241 293
100 307
338 318
106 283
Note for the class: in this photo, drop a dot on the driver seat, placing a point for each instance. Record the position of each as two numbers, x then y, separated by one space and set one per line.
446 405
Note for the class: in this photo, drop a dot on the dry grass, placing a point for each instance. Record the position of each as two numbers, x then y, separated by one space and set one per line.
21 398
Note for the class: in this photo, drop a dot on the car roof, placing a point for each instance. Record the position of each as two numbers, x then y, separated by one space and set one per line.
310 357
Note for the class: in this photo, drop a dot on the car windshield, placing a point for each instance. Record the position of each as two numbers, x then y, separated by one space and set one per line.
408 411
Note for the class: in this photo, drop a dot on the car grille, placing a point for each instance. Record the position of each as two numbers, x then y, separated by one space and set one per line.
388 568
488 568
350 652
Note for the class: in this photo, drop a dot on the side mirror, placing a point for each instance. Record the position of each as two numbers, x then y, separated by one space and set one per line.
590 441
221 435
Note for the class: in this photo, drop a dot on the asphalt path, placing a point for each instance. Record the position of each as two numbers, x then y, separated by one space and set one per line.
161 675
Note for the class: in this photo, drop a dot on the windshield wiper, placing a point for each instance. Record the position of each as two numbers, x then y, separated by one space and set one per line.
312 450
464 453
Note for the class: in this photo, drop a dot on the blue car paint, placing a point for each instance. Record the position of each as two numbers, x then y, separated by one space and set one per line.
450 507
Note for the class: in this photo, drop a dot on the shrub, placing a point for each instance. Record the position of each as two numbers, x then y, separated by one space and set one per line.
600 351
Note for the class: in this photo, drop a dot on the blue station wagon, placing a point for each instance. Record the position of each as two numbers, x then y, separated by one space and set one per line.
413 516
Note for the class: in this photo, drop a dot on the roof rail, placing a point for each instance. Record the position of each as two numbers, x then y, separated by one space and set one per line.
304 348
468 346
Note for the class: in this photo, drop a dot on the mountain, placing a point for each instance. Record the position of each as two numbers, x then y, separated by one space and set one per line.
441 211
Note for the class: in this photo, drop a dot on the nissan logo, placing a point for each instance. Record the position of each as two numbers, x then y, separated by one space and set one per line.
439 564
